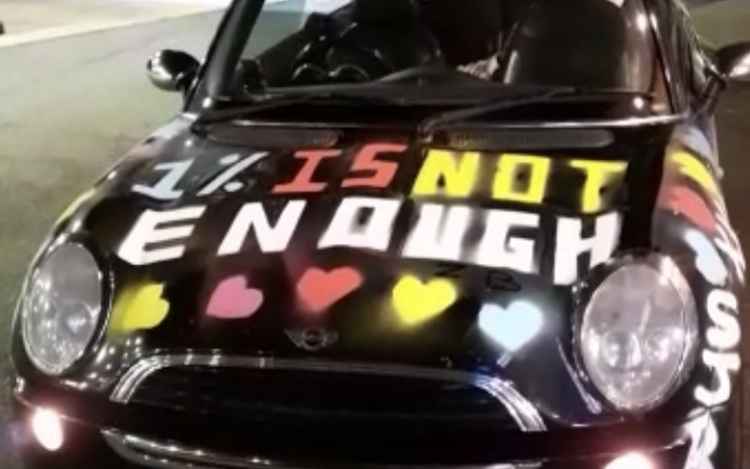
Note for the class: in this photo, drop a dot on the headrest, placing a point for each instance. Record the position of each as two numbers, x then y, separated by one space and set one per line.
395 12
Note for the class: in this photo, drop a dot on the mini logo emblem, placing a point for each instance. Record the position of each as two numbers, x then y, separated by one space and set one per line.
313 339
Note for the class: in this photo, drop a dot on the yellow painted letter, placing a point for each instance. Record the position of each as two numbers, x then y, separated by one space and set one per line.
509 169
599 174
458 174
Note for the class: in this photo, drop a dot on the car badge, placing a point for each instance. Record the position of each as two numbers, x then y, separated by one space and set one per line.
312 339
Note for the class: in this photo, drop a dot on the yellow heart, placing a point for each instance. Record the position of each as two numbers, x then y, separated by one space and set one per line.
139 307
417 302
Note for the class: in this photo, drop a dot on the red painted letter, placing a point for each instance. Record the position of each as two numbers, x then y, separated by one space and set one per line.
384 171
303 181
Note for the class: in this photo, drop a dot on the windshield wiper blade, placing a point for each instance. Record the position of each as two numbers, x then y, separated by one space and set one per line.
271 103
429 125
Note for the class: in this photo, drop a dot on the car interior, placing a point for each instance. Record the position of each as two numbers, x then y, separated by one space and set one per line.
368 40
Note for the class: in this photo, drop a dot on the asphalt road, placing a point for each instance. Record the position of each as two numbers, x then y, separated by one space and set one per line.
71 107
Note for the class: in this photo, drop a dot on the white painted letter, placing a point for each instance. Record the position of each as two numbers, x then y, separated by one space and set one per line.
722 308
570 245
722 363
270 238
497 249
437 234
348 230
146 231
164 189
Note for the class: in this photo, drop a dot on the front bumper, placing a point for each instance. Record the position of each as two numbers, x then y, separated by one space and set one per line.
99 433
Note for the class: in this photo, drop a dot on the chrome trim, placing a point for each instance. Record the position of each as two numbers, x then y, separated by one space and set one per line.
523 412
161 455
594 406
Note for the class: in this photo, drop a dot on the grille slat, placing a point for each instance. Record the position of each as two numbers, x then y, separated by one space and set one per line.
239 394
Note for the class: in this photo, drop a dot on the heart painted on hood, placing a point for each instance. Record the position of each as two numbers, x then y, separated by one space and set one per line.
232 299
318 290
417 302
707 258
139 307
689 204
511 327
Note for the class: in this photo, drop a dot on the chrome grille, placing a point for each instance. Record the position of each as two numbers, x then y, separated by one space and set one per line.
235 386
343 398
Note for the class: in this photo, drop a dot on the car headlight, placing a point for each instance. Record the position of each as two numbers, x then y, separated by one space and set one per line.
638 333
61 308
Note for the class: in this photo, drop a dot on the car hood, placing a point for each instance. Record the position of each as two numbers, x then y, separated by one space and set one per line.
366 246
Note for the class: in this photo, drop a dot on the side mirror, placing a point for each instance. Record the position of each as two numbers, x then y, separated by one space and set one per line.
734 62
172 70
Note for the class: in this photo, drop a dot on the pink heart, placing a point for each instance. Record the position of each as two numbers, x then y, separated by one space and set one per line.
318 289
233 300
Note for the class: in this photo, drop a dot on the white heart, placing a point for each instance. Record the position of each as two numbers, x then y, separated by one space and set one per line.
511 327
707 260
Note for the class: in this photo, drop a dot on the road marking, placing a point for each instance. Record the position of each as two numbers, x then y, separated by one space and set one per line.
86 27
215 3
180 7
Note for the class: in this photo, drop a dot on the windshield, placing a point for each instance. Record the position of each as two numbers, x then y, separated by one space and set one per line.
591 45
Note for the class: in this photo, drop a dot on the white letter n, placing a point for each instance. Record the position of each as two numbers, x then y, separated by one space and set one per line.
270 238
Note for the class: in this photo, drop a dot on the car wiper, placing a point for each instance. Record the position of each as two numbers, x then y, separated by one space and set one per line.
429 125
277 102
566 94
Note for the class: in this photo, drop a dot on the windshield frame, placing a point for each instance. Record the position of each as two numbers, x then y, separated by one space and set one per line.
212 85
232 34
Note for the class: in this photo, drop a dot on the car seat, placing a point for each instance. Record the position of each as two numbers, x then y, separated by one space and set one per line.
558 43
467 30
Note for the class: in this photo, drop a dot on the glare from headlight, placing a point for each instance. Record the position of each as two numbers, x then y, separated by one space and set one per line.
632 460
637 334
47 428
61 308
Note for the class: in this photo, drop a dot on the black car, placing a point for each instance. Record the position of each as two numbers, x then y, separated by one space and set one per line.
394 233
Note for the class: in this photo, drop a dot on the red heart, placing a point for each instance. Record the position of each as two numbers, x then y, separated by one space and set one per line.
233 300
686 202
318 289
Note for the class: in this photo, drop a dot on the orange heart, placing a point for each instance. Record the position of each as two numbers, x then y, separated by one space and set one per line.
318 290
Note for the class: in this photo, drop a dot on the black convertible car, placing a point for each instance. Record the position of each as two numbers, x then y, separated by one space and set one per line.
402 234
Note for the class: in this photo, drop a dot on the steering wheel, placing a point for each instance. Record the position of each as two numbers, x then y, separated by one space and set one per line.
336 60
363 53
